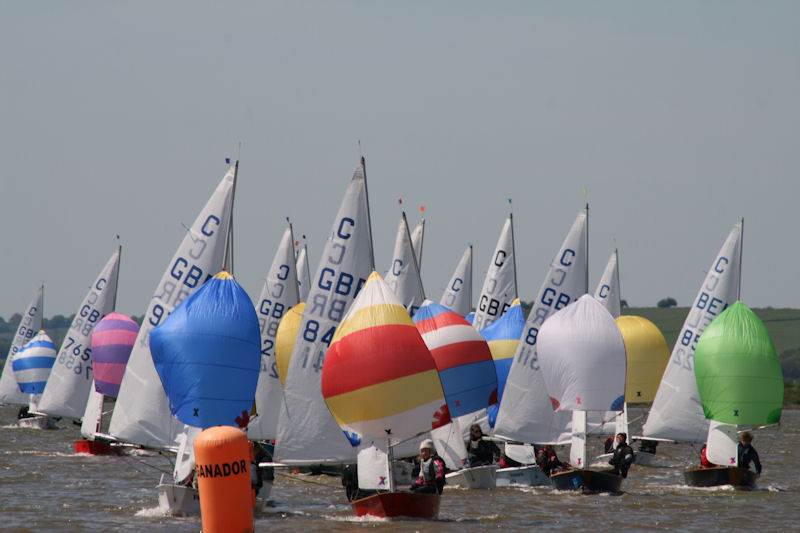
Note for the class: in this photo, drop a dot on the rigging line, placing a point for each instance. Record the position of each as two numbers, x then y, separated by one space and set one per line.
135 460
298 478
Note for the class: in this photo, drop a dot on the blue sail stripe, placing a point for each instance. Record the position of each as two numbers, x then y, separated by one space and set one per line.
28 363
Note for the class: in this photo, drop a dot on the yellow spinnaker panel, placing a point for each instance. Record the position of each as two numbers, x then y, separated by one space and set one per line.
647 353
285 337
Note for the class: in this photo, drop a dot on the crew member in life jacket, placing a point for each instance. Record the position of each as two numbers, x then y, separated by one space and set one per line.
623 456
704 462
747 453
548 461
479 450
431 470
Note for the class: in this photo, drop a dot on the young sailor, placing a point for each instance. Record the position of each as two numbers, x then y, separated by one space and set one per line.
431 470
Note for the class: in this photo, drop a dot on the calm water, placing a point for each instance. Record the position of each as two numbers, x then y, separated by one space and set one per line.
44 486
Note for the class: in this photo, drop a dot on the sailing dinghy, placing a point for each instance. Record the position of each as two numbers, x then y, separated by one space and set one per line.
32 366
29 325
582 356
466 370
740 383
380 382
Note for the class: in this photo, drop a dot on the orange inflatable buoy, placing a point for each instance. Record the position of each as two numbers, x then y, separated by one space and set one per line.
222 468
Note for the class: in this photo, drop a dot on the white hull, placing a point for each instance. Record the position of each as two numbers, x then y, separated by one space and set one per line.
37 422
522 476
178 500
640 458
476 477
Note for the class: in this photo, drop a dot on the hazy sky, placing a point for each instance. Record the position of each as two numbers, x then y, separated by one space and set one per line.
678 117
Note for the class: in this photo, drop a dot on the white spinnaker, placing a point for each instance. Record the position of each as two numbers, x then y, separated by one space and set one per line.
582 357
303 273
417 237
280 293
72 378
500 284
608 290
525 413
722 447
403 274
307 432
677 413
458 294
29 325
141 413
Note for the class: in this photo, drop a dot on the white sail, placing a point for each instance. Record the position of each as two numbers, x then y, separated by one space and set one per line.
450 445
373 469
141 414
676 413
279 294
722 447
71 378
403 274
458 294
500 284
577 450
307 432
28 327
303 273
417 237
608 290
92 415
525 413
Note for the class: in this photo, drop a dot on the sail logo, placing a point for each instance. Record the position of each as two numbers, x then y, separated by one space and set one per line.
222 470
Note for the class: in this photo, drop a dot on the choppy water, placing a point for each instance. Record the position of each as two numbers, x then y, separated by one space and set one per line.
44 486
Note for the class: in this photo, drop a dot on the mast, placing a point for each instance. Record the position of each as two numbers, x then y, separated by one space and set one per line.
116 284
587 247
470 278
294 256
741 253
514 255
369 217
227 261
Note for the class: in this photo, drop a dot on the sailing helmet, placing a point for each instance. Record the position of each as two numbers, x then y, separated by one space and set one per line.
427 443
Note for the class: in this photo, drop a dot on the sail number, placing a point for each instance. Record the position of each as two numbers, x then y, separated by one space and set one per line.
74 356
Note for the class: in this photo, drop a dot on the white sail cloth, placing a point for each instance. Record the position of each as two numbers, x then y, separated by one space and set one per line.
677 413
458 293
29 326
141 413
500 284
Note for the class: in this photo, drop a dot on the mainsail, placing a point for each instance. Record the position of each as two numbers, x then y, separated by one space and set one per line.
280 293
676 413
500 284
403 274
29 325
608 290
141 414
71 378
307 433
525 413
303 273
458 294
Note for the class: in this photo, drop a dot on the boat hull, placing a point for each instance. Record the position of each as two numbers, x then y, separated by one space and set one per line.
735 476
96 447
522 476
178 500
476 477
37 422
398 504
587 480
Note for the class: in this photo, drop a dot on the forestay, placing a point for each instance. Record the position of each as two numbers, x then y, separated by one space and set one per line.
71 378
525 413
458 293
500 284
676 413
403 274
279 294
30 324
307 433
141 414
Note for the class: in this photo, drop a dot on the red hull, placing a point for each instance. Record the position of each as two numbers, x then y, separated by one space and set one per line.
95 447
395 504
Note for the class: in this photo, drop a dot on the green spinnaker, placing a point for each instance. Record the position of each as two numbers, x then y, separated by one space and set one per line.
738 372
